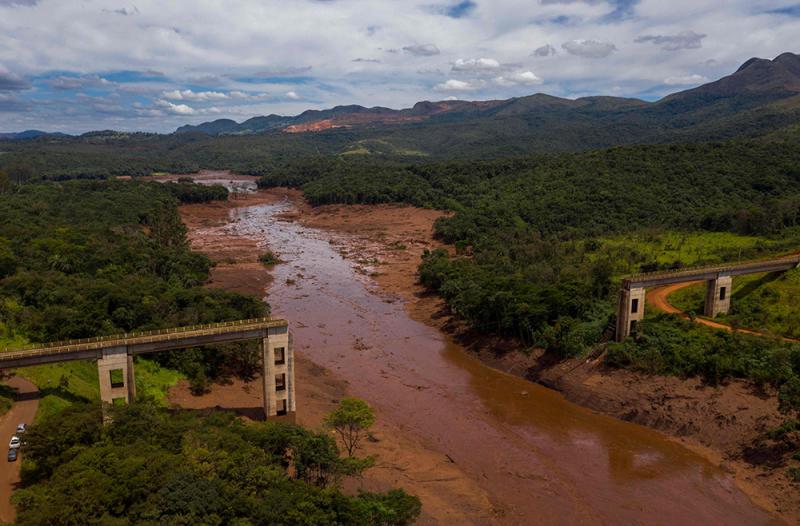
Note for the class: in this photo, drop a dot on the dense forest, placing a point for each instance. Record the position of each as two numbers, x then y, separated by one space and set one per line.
154 466
539 241
86 258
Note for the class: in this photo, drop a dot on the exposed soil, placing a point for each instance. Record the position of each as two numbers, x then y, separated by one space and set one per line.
726 424
236 257
23 411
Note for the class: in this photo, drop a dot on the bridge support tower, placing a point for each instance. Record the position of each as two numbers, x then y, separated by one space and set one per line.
630 311
718 295
117 383
278 373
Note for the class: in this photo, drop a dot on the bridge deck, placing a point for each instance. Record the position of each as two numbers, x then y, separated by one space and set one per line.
139 342
653 279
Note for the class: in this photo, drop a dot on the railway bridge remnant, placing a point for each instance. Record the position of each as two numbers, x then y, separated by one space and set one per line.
719 279
114 356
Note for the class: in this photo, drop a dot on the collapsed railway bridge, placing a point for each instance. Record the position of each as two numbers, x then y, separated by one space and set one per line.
719 279
114 356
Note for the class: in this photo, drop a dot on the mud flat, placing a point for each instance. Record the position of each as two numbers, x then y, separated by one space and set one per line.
477 445
724 424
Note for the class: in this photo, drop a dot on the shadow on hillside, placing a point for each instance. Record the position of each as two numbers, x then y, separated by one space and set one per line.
752 286
56 391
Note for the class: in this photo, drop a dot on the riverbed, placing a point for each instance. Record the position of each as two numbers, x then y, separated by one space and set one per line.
538 458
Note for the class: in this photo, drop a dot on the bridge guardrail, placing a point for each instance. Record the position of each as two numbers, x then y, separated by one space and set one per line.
158 335
710 268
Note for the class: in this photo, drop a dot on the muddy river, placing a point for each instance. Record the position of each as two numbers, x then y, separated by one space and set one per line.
542 459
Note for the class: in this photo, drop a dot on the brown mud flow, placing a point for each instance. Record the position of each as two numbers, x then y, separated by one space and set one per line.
538 455
541 459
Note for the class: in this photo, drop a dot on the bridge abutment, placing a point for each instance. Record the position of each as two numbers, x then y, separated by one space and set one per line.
630 311
114 357
718 296
277 357
117 381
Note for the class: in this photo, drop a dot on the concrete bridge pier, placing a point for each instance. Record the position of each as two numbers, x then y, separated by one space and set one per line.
630 311
278 373
718 295
117 382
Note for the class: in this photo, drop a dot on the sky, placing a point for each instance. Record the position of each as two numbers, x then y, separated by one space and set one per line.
80 65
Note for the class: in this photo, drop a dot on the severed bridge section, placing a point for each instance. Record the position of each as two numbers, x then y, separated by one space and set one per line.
114 355
719 278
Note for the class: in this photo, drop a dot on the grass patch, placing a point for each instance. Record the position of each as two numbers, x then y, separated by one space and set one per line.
62 384
269 259
155 381
66 383
760 301
787 427
647 251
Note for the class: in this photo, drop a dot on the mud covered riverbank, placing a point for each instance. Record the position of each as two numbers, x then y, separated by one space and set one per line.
725 423
477 445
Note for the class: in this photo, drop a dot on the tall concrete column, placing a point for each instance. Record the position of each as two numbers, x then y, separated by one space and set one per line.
115 372
718 296
278 373
630 311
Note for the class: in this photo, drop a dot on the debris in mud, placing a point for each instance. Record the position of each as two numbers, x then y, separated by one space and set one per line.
359 345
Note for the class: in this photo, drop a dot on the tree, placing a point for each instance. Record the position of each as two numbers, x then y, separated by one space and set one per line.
5 182
20 173
351 421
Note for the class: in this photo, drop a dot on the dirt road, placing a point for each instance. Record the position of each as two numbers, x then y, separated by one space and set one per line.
658 298
23 410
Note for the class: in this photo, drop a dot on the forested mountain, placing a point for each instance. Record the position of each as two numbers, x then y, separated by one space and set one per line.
759 101
28 134
717 110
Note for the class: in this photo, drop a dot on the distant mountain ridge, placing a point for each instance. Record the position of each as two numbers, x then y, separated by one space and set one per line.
761 100
28 134
757 82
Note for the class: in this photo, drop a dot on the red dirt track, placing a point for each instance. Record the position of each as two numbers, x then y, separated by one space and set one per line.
659 298
23 410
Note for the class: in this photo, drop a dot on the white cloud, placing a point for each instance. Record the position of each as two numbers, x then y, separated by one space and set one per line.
477 65
176 109
457 85
293 95
519 78
197 96
685 80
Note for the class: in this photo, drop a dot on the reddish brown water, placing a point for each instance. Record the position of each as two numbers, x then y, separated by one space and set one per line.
542 459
